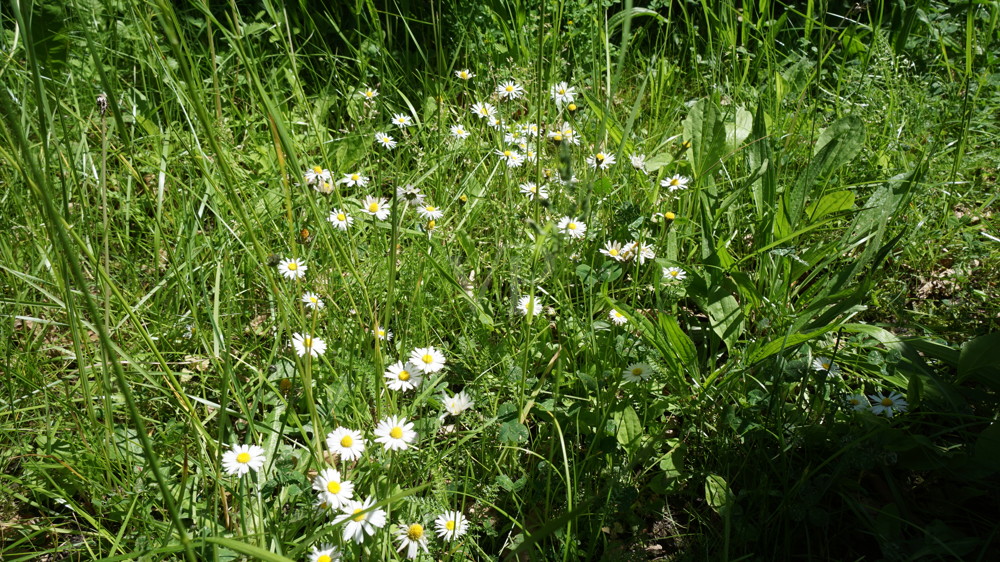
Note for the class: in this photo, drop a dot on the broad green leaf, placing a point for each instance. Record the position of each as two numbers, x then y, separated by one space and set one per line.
704 128
833 202
672 464
792 340
679 341
980 360
513 433
726 316
718 495
739 128
629 428
256 552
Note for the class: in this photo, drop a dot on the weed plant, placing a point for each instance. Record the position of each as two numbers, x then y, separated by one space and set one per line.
502 280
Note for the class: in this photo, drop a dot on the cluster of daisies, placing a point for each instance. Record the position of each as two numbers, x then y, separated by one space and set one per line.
888 404
363 517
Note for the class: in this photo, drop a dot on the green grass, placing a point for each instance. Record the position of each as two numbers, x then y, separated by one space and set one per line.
842 166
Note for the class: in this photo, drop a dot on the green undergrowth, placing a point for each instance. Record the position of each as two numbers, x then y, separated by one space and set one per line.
708 282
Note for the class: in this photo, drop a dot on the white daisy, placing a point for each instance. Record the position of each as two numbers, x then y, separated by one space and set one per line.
857 402
411 537
459 132
383 334
675 183
292 268
312 300
888 404
495 122
304 343
451 525
531 190
673 274
325 553
637 372
395 433
464 74
510 90
385 140
562 93
401 120
361 519
458 403
340 219
638 251
354 179
602 160
613 250
572 227
332 489
483 110
821 363
638 162
427 360
402 376
347 443
241 459
369 93
617 317
377 207
529 305
317 175
430 212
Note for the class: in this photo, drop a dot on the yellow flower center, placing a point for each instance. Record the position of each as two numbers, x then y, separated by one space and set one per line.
346 441
674 273
324 558
430 208
292 266
571 107
333 487
341 217
887 402
854 401
613 252
562 91
450 525
243 458
355 177
826 366
509 88
318 170
637 371
359 518
507 153
404 376
571 226
431 224
674 181
373 208
557 137
463 75
396 432
669 216
599 157
427 358
415 532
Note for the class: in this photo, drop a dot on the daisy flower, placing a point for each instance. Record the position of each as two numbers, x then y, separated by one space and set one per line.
383 334
562 93
385 140
312 300
325 553
292 268
304 343
639 251
427 360
529 305
464 74
532 190
637 372
347 443
821 363
674 274
857 402
411 537
458 403
241 459
638 162
451 525
361 519
512 158
572 227
395 433
675 183
430 212
324 187
355 179
369 93
411 195
617 317
376 207
459 132
494 122
510 90
340 219
317 175
401 120
888 404
602 160
402 376
483 110
332 489
613 250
